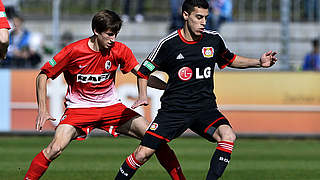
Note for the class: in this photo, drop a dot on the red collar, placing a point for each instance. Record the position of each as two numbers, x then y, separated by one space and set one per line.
186 41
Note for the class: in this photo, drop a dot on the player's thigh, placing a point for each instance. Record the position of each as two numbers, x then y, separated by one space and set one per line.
63 135
135 127
165 127
207 123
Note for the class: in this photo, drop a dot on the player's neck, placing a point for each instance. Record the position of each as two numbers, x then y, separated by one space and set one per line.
188 35
94 44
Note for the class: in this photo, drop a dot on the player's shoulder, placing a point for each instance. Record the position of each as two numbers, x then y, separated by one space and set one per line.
119 45
78 45
169 37
211 32
120 49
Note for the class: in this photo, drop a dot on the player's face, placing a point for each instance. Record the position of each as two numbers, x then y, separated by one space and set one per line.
106 39
196 21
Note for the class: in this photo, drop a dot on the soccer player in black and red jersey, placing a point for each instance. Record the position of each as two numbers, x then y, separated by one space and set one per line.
89 67
189 56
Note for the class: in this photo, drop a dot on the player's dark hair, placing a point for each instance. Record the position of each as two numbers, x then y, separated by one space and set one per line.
189 5
106 20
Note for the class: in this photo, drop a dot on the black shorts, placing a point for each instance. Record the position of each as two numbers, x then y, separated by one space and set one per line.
170 125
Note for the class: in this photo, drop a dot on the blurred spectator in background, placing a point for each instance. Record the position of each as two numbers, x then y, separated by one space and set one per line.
22 51
12 4
66 38
222 12
312 10
4 33
138 14
176 21
312 59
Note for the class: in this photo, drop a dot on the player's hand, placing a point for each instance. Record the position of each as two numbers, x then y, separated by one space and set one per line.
268 59
41 119
140 102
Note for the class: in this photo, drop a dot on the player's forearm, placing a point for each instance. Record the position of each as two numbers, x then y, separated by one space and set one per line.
4 36
244 62
142 87
157 83
41 91
4 42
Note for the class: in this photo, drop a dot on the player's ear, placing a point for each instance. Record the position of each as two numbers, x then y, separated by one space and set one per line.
185 15
95 32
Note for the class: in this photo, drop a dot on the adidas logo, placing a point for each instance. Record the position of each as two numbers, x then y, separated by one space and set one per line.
180 56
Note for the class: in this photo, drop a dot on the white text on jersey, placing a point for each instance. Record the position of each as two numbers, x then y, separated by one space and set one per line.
206 73
92 78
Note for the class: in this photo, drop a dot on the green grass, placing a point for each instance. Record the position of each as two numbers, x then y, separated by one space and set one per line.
100 157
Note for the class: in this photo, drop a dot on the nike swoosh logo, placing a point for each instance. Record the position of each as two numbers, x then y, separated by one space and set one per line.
81 66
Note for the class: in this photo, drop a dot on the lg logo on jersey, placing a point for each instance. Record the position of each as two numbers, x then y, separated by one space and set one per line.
205 75
186 73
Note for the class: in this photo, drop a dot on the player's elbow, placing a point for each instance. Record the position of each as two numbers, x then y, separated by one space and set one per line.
4 37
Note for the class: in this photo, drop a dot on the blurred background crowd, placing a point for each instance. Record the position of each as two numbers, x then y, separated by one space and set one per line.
40 28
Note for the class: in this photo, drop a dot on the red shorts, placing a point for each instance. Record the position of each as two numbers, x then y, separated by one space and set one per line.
106 118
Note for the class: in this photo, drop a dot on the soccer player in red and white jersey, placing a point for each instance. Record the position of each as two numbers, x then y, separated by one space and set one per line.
4 33
89 67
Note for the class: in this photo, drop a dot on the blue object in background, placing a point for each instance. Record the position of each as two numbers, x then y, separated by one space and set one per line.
5 97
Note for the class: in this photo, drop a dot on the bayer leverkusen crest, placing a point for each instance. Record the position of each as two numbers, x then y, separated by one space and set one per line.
207 52
154 126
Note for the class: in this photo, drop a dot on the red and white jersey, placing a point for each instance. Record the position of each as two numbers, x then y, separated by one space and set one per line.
90 75
3 17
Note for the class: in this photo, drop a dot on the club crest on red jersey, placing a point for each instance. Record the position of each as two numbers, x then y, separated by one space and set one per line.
207 52
185 73
108 65
154 126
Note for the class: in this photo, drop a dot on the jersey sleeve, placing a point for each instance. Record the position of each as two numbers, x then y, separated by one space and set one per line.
155 61
3 17
57 64
224 56
127 59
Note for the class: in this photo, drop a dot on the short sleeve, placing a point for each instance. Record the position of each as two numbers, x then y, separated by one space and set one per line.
224 56
127 59
3 18
155 60
54 67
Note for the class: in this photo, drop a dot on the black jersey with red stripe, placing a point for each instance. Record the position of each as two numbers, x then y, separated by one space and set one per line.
190 67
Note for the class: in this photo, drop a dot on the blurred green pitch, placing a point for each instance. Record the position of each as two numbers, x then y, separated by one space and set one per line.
100 157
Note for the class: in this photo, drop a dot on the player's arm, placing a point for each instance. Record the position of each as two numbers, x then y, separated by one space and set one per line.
142 93
41 91
4 33
4 42
153 81
156 82
143 74
266 60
